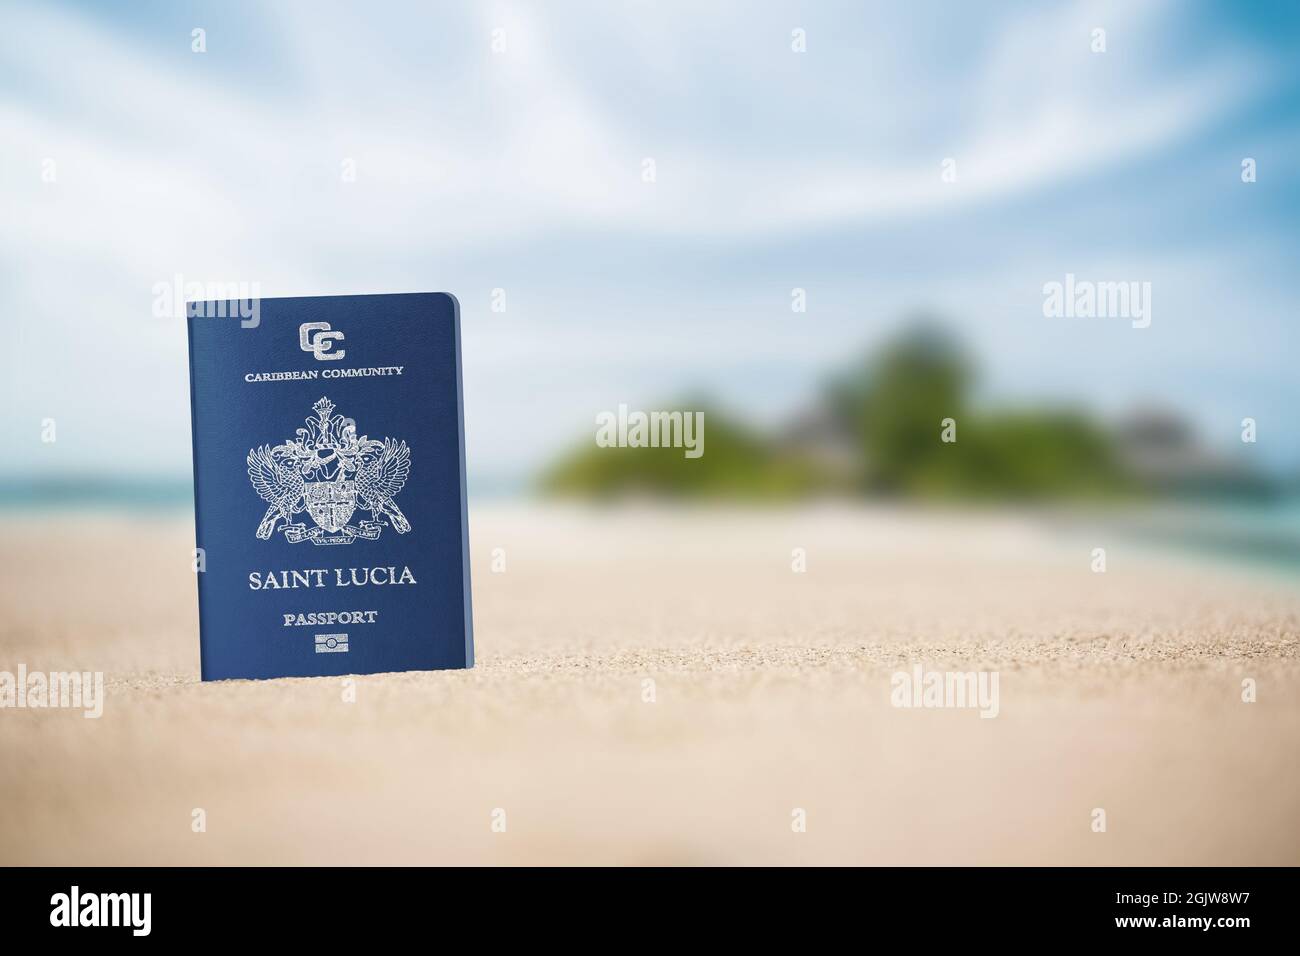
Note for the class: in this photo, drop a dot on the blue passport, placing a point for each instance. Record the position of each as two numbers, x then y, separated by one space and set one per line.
329 485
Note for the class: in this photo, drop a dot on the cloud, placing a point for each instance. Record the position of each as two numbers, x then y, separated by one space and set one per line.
226 165
161 139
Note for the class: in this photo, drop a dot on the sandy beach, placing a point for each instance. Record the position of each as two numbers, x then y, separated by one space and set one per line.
659 686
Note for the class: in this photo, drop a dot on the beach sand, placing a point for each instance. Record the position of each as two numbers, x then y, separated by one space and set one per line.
771 694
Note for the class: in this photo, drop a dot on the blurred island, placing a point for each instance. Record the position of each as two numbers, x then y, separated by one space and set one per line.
879 430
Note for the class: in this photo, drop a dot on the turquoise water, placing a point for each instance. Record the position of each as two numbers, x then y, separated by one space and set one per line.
1264 532
1256 532
165 495
96 494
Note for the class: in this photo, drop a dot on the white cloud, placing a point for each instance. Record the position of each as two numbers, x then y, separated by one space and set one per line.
193 164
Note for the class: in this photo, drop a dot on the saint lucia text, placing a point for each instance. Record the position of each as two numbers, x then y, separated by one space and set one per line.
328 577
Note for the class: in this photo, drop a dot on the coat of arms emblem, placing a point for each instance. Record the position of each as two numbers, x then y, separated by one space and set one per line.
330 473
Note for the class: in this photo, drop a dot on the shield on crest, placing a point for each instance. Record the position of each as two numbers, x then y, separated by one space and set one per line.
329 450
331 503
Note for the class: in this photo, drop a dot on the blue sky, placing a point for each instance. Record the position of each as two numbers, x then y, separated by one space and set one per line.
522 170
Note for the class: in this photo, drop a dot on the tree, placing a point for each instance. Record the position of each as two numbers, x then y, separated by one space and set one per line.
895 401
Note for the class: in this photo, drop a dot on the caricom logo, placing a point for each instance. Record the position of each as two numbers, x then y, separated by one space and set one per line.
317 338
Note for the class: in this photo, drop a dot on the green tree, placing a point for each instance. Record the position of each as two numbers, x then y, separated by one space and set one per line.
894 401
736 463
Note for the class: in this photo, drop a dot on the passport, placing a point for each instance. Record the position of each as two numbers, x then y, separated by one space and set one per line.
330 516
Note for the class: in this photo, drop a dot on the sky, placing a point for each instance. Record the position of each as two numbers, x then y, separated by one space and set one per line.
521 168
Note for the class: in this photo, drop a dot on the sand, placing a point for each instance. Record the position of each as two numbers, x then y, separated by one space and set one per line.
771 695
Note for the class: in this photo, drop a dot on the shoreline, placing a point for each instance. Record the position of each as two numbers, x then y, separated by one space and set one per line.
768 690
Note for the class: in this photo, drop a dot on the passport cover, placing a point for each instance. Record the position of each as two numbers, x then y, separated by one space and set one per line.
329 486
